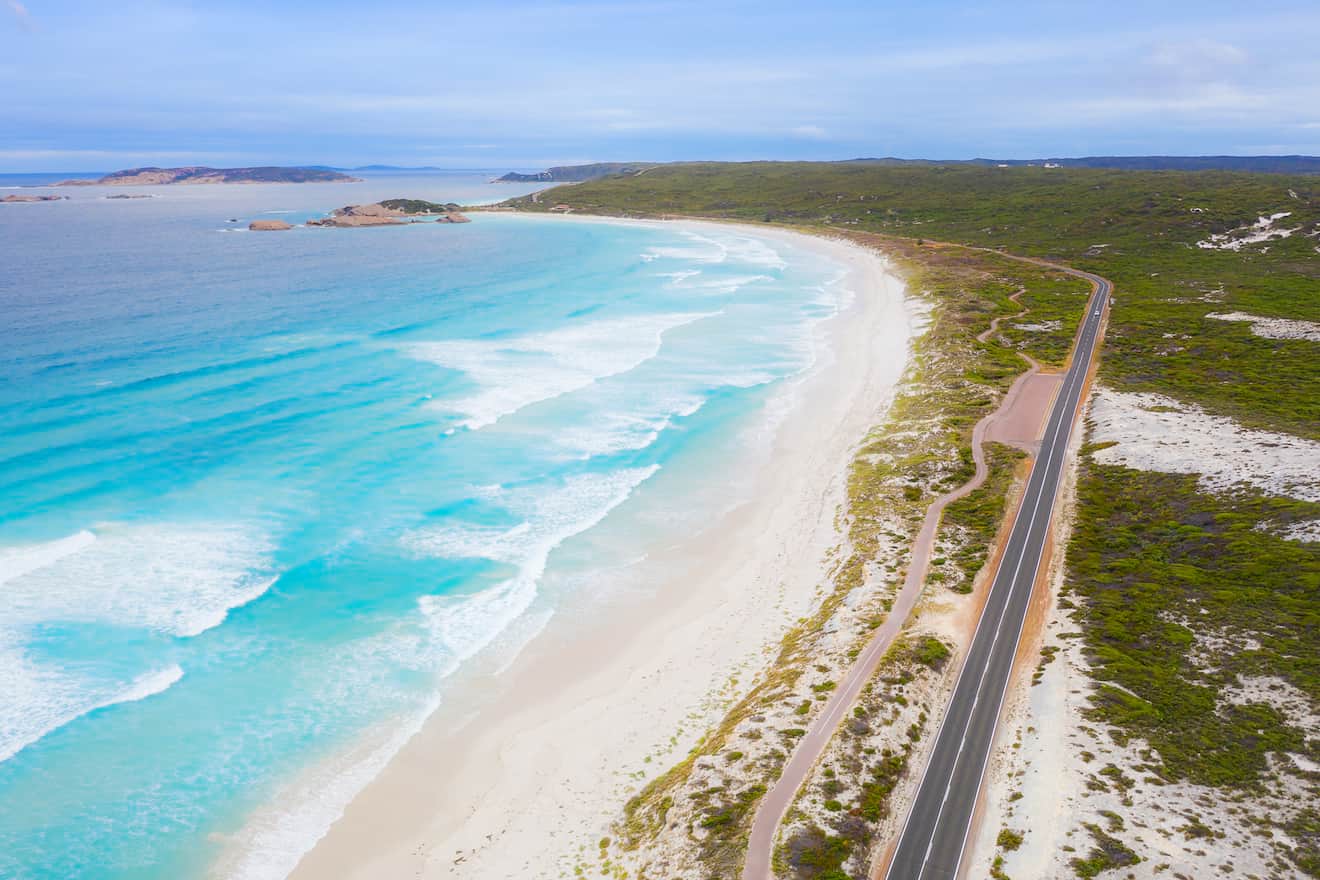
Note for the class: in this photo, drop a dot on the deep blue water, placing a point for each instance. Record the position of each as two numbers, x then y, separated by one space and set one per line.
262 493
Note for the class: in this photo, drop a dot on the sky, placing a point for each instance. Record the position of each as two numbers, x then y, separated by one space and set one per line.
490 84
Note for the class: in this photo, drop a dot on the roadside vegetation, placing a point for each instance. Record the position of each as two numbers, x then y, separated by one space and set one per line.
970 523
1199 616
1182 596
835 824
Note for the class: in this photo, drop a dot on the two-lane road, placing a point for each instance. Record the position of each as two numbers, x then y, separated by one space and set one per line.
934 836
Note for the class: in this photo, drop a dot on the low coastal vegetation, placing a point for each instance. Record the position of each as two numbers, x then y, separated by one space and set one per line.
970 523
838 817
575 173
1196 609
1183 596
418 206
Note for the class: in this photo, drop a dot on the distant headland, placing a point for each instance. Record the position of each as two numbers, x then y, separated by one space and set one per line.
1258 164
577 173
198 174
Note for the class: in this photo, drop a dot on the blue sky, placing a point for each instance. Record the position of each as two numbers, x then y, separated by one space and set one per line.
106 84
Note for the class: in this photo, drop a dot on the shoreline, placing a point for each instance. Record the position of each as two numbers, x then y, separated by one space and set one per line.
570 726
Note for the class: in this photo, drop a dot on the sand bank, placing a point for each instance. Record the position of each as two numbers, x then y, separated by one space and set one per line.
522 772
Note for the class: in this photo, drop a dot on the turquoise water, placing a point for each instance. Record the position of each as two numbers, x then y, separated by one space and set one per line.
264 493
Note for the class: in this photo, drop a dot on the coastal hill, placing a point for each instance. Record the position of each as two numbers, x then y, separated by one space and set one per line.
198 174
1259 164
575 173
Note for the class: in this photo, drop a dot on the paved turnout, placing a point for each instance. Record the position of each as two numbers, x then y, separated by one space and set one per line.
934 836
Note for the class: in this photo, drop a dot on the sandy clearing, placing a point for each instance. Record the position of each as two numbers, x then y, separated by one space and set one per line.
1157 433
1273 328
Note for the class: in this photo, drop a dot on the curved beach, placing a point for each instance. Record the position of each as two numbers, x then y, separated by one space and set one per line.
532 758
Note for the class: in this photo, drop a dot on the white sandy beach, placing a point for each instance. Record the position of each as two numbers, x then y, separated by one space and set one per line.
522 772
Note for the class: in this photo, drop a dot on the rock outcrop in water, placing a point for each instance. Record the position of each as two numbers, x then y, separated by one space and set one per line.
391 212
268 225
13 199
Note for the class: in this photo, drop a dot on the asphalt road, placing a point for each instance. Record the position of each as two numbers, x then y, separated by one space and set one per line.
935 834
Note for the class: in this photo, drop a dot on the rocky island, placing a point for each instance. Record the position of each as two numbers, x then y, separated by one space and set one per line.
392 212
198 174
14 199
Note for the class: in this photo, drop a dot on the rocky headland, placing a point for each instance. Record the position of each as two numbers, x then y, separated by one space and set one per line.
577 173
198 174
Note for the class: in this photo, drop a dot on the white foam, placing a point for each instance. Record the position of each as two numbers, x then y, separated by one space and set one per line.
756 251
613 432
18 561
714 254
177 579
719 248
281 832
464 625
174 579
714 285
517 372
35 700
676 279
452 628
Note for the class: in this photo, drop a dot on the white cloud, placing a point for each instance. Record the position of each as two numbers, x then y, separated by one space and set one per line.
1202 56
811 132
140 155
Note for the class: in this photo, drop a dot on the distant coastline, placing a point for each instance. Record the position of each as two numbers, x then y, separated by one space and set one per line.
576 173
198 174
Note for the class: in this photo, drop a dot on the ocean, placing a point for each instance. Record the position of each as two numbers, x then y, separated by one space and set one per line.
265 495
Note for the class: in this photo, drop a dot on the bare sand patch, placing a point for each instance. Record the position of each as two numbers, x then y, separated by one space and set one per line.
1262 230
1157 433
1273 328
